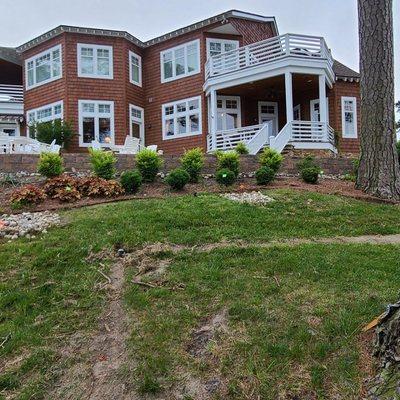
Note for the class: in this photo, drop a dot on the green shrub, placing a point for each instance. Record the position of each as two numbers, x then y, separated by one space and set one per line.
177 178
310 174
103 163
192 162
50 165
131 181
271 158
306 162
241 148
225 177
265 175
148 163
356 166
228 160
59 130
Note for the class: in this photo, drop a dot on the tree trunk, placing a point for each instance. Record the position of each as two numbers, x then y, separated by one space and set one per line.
379 172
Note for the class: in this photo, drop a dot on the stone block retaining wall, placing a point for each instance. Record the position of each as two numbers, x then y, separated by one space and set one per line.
79 162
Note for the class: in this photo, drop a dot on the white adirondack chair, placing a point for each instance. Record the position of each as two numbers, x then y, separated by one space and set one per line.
25 145
96 145
131 146
53 147
152 147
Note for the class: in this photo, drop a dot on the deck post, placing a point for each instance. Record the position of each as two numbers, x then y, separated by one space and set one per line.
289 96
213 118
322 103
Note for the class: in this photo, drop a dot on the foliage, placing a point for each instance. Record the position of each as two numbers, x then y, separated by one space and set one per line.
306 162
398 149
148 163
241 148
67 194
50 165
271 158
103 163
228 160
27 195
265 175
99 187
225 177
356 166
177 178
398 110
193 161
131 181
310 174
52 186
59 130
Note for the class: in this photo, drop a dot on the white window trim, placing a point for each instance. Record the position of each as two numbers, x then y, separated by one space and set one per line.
95 47
33 58
222 41
139 120
164 117
47 119
96 116
172 49
131 53
344 134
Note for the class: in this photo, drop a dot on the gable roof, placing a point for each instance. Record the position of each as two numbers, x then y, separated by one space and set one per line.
10 54
343 72
178 32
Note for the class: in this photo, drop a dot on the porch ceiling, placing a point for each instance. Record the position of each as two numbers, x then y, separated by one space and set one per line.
276 84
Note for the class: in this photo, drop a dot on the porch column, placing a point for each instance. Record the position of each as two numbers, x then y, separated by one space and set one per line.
289 96
322 101
213 119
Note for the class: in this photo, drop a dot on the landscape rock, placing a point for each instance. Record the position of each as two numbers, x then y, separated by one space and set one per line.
257 198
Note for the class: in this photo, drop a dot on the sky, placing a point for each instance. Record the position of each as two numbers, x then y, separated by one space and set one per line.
335 20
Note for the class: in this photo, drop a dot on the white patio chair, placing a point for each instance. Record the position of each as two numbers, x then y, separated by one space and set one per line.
152 147
131 146
96 145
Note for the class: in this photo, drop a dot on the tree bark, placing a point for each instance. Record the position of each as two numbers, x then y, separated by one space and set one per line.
379 172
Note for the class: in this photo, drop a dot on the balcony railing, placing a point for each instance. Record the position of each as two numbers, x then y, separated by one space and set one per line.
11 93
269 50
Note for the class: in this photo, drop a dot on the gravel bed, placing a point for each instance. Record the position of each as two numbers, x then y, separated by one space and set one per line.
249 197
27 224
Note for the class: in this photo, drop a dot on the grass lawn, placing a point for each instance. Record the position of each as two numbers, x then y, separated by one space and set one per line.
292 314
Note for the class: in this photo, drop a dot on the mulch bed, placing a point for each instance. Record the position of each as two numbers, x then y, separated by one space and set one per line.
161 190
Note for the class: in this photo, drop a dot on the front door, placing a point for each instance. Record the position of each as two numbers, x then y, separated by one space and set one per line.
228 113
268 111
137 123
314 110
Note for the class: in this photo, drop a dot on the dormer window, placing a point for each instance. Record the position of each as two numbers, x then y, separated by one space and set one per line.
95 61
43 67
218 46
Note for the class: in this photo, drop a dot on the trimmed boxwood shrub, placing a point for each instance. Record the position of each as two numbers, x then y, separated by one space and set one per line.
310 174
241 148
265 175
271 158
192 162
177 178
225 177
228 160
50 165
131 181
148 163
103 163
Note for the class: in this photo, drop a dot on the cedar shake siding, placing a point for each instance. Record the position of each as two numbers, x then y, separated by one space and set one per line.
153 93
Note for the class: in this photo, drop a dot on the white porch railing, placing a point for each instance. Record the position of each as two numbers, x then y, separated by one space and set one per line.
229 139
302 134
266 51
11 93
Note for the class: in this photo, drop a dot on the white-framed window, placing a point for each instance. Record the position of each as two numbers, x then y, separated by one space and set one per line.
135 68
297 113
182 118
349 117
136 122
47 113
180 61
228 113
9 128
96 122
95 61
218 46
43 67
